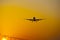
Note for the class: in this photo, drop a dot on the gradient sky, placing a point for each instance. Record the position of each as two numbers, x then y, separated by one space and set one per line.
14 13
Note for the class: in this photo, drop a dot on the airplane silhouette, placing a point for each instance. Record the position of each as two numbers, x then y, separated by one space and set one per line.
34 19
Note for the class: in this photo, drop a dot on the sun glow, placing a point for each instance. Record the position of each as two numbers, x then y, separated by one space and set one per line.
4 38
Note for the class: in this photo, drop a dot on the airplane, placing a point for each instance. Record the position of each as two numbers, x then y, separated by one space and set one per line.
34 19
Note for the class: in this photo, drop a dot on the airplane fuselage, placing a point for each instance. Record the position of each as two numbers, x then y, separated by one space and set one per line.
34 19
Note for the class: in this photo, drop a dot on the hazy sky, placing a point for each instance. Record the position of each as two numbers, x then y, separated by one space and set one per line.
14 13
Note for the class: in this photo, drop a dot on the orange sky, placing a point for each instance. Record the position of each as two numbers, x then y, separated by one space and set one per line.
13 21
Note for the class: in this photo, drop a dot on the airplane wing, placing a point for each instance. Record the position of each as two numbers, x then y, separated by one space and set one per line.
30 19
38 19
